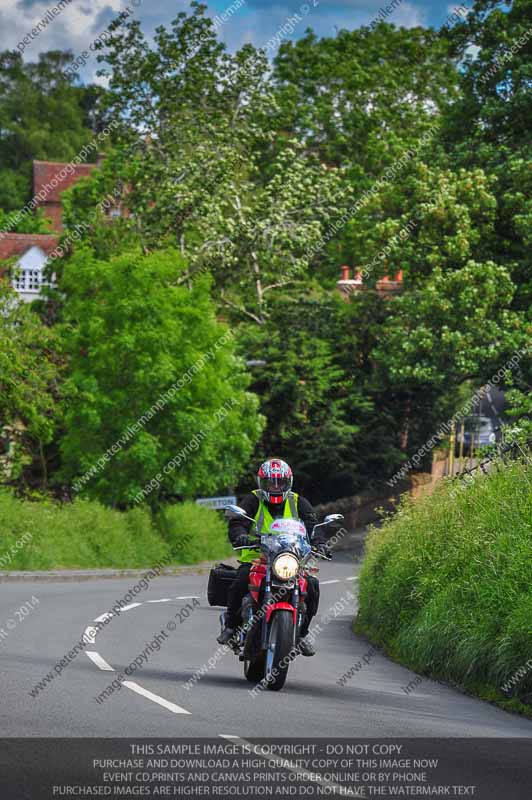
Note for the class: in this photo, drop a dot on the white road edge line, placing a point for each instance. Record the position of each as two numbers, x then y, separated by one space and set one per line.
163 600
324 583
99 661
352 579
228 736
131 605
312 777
189 597
155 698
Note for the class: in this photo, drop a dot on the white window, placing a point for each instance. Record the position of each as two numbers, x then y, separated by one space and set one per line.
29 277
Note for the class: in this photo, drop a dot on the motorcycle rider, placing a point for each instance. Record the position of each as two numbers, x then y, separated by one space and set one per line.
273 499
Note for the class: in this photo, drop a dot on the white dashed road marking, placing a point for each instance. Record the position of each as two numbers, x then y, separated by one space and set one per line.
163 600
104 617
90 637
155 698
99 661
89 634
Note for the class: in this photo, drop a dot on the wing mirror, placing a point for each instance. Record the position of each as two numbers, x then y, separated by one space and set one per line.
235 511
333 518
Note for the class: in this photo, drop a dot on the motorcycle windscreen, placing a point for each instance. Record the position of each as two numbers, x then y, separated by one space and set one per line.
288 535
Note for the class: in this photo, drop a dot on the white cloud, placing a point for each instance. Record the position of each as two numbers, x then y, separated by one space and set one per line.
409 16
75 30
70 30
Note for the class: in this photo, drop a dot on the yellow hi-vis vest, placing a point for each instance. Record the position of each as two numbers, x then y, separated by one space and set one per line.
263 520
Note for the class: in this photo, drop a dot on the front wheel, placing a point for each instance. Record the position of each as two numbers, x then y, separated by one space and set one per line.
280 639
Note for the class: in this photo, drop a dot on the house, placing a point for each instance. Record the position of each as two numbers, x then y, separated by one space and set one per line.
52 178
32 250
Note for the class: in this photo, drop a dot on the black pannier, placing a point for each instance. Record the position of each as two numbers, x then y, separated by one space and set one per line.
220 579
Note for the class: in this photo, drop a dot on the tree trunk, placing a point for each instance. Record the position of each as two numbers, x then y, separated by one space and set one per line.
258 285
406 427
43 467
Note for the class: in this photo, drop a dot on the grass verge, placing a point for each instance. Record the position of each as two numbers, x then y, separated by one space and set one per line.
446 586
86 535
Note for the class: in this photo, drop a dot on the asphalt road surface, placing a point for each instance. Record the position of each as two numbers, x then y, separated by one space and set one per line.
373 701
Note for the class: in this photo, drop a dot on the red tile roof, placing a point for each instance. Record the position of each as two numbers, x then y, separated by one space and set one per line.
44 173
16 244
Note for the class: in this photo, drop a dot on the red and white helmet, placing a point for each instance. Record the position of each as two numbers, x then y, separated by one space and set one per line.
274 480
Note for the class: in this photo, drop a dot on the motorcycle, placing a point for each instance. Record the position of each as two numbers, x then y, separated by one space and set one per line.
274 610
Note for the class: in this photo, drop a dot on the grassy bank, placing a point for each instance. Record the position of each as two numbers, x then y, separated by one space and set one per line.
446 586
85 535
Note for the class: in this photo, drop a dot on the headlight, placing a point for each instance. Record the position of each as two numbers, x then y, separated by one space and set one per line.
285 566
492 438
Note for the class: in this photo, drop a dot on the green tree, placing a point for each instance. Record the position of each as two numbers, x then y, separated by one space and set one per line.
259 238
491 126
196 177
30 223
363 96
455 327
427 218
314 409
30 370
145 352
42 116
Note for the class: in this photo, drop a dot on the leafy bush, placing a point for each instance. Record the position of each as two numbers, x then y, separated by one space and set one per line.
194 533
87 535
82 535
447 583
153 378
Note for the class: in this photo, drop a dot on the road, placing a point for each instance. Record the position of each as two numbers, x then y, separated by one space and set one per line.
372 703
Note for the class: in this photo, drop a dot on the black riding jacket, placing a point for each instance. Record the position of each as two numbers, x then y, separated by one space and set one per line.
250 504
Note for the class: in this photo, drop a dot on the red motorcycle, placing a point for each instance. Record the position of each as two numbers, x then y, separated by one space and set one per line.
274 609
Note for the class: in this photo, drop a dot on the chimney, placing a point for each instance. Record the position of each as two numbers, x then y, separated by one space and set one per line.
344 273
389 286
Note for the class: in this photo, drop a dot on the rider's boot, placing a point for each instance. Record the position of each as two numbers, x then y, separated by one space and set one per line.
228 630
226 635
305 647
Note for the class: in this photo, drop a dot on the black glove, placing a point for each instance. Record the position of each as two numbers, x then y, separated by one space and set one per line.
323 549
241 541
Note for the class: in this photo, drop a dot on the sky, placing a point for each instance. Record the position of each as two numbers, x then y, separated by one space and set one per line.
80 22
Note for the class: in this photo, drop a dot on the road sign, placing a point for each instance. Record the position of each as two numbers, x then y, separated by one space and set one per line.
216 502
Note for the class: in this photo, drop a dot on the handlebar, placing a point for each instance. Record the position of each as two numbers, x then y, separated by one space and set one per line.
250 544
321 555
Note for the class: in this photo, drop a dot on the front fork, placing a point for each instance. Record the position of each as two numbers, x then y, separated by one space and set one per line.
268 599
